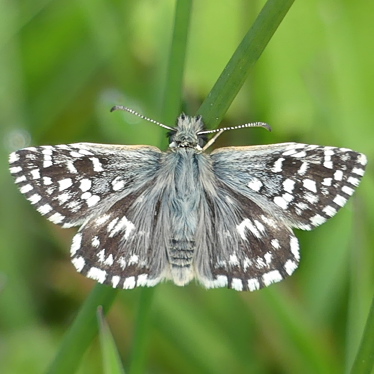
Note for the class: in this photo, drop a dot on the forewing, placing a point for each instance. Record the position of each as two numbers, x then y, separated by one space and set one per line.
303 185
70 183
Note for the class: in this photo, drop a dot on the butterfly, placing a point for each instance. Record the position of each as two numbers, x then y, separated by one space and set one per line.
225 219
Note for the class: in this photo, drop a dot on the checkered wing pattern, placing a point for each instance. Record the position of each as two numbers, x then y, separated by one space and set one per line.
276 187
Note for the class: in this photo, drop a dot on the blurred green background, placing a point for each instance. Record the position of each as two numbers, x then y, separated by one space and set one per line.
63 64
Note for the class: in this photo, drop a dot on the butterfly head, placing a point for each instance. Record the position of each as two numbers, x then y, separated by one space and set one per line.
187 133
190 132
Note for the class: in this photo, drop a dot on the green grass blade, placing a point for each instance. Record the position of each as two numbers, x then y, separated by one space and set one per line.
177 57
364 361
111 359
245 56
82 331
142 327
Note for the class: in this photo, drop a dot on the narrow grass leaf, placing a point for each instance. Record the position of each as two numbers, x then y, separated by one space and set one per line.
111 360
246 55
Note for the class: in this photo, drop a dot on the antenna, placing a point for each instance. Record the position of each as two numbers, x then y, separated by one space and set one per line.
219 131
252 124
132 111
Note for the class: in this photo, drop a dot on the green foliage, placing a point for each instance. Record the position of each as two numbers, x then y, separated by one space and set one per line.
64 64
111 360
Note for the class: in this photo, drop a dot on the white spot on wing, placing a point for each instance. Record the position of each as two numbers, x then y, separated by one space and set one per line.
20 179
237 284
255 184
260 263
142 280
86 195
247 224
44 209
303 168
275 243
93 200
35 173
129 283
122 262
280 202
353 181
272 277
56 218
115 280
300 154
294 246
302 205
358 171
259 226
63 198
313 199
327 182
329 210
348 190
317 220
220 281
253 284
76 244
26 188
64 184
134 259
70 166
97 274
340 200
47 150
15 169
101 255
95 242
111 223
85 185
13 157
118 184
288 185
278 165
290 266
246 263
233 260
78 263
268 257
328 164
34 198
102 219
288 197
97 166
47 181
109 260
338 175
123 223
310 185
